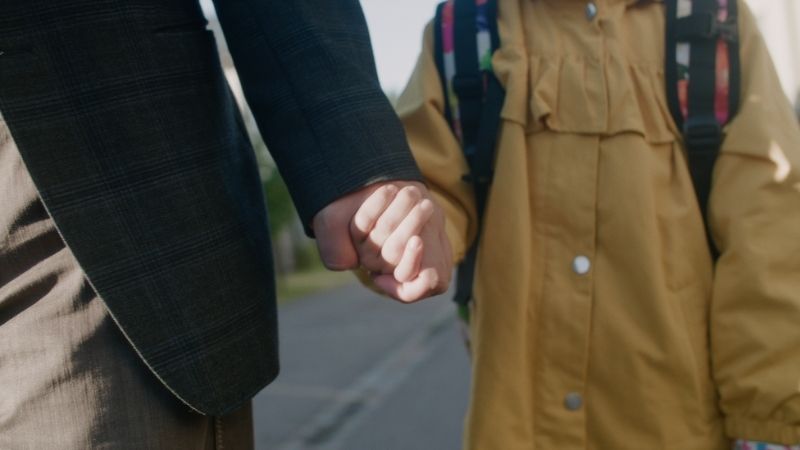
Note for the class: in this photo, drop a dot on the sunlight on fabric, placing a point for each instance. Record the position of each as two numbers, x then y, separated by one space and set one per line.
754 98
783 168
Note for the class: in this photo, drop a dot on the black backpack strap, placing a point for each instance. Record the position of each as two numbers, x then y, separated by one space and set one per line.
438 55
467 84
701 119
480 98
480 177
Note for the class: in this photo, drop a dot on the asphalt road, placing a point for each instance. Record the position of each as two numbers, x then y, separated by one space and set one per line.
360 372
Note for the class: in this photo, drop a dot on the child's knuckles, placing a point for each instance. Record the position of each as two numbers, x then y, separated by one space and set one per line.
427 207
411 194
388 192
387 224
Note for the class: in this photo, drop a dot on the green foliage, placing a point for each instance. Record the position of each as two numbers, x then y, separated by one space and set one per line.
279 202
307 257
301 284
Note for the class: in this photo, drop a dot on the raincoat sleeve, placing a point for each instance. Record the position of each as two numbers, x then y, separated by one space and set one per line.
436 149
755 222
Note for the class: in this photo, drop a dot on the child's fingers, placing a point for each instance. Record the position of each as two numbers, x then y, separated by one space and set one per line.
408 267
421 287
393 215
396 244
370 211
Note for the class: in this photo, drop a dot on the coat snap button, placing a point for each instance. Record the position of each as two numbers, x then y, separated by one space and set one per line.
591 11
581 265
573 401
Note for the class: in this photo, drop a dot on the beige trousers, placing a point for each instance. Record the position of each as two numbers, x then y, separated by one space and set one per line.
68 377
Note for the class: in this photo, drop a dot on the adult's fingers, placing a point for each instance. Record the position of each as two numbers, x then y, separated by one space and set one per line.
396 244
336 249
370 211
331 227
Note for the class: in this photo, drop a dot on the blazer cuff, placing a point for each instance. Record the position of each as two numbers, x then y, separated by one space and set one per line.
313 196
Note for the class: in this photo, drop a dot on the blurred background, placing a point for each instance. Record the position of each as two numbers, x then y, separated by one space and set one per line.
360 372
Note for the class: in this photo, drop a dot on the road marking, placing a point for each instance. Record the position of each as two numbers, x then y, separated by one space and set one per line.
331 427
305 391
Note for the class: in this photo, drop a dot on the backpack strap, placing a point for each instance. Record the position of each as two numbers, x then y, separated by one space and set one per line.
702 76
466 36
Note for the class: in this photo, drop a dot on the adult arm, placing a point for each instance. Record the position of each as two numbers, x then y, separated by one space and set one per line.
308 74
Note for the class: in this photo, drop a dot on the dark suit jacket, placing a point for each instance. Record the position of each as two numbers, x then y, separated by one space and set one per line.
123 117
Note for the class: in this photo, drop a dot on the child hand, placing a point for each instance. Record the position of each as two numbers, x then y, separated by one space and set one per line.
398 233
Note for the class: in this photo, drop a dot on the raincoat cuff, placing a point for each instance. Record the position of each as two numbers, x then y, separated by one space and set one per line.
763 431
742 444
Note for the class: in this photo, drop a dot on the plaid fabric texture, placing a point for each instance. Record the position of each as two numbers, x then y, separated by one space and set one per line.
126 124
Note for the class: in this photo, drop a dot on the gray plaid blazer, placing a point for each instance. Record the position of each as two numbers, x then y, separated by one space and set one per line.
123 117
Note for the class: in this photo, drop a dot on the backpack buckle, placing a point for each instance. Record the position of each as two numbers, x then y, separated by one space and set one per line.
468 86
479 179
727 31
702 133
706 26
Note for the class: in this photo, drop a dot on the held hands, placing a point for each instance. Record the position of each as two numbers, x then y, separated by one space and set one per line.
395 231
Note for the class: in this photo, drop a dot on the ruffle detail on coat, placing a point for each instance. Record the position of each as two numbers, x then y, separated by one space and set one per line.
575 95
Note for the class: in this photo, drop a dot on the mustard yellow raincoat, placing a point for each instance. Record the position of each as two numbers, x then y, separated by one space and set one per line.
600 321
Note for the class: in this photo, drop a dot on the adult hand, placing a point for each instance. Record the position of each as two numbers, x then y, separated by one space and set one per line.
332 228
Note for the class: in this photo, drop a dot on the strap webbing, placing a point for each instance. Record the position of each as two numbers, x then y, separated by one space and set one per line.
710 104
701 130
468 80
438 55
481 178
480 100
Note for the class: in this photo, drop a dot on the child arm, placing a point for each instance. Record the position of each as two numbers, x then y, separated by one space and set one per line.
755 221
436 149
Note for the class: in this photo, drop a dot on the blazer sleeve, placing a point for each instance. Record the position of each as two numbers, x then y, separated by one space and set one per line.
755 220
308 75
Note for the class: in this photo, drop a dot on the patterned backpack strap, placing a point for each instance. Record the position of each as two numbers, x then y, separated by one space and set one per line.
444 56
702 76
474 38
466 37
